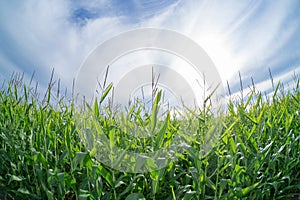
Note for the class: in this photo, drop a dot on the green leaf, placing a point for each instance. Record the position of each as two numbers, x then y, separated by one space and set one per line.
84 194
232 145
23 191
155 108
79 159
96 108
246 190
14 178
161 133
106 175
140 163
105 93
150 164
189 195
135 196
68 140
42 159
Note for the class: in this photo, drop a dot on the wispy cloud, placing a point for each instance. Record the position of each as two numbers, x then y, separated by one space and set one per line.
247 36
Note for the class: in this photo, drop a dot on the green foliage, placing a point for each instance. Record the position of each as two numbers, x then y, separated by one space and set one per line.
43 156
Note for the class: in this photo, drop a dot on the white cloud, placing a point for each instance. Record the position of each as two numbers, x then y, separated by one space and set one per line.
237 35
259 43
42 33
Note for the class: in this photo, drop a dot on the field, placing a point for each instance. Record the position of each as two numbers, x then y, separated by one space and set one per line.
43 154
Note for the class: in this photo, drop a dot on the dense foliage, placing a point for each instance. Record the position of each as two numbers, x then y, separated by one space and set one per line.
256 156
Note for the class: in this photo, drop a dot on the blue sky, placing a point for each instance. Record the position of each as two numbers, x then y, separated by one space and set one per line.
250 36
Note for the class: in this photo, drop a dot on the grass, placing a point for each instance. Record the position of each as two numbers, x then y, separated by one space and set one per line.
43 154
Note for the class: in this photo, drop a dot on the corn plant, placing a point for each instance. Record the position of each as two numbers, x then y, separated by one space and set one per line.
44 155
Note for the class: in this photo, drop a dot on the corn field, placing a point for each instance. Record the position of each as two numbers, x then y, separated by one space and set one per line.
43 156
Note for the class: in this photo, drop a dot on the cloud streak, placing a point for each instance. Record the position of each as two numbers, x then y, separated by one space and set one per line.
247 36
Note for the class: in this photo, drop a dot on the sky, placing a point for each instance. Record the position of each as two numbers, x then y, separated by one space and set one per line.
249 36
